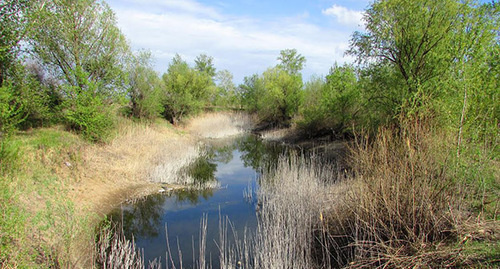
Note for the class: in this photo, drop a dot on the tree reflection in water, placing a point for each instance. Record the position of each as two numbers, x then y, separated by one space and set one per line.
143 218
258 154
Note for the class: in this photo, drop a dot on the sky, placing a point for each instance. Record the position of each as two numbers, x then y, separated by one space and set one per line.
243 36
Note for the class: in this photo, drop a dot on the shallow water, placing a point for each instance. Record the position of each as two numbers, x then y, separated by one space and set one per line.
235 165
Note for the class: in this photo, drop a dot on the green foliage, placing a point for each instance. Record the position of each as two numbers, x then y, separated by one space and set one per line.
250 92
187 90
11 110
204 64
313 119
276 95
87 114
416 38
145 88
291 61
226 95
282 96
334 104
81 37
13 25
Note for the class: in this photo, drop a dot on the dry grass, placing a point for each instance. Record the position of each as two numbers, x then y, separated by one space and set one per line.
120 170
220 124
114 251
399 206
292 201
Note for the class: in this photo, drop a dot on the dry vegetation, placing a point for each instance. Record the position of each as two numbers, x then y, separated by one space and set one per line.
220 125
401 208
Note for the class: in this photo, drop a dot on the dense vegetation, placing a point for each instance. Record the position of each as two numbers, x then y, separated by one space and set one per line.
421 103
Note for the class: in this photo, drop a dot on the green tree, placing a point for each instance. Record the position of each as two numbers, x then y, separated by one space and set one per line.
250 92
186 91
81 37
332 105
340 98
226 90
416 38
291 61
145 87
13 27
282 96
204 64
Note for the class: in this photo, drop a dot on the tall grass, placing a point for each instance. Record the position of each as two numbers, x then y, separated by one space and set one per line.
114 251
219 125
399 205
292 200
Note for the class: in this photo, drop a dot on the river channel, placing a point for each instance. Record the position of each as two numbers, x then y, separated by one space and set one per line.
175 216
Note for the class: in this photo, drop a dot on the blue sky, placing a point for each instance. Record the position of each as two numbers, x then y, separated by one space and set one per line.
243 36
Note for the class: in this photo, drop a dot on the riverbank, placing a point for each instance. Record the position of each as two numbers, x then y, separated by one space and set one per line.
146 159
60 186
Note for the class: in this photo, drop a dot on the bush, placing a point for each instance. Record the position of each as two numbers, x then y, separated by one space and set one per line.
281 98
187 90
88 115
11 110
332 106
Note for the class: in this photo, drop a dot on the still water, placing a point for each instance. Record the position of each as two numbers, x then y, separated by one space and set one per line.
236 165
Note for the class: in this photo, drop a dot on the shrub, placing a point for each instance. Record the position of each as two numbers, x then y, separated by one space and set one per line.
399 204
89 116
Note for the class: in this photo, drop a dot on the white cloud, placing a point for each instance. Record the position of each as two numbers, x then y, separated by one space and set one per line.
242 45
344 15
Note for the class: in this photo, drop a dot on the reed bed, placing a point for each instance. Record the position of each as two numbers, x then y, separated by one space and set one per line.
398 208
114 251
220 125
291 201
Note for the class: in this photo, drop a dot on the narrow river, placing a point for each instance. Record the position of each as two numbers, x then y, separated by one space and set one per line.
235 165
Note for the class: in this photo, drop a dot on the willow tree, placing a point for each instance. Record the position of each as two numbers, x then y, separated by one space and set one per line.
13 21
415 38
80 43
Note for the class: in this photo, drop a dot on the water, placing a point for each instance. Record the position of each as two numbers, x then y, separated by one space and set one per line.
236 165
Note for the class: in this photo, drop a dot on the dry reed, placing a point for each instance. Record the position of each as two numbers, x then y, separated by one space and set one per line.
398 206
219 125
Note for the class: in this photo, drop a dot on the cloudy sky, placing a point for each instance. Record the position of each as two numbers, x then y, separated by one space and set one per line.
243 36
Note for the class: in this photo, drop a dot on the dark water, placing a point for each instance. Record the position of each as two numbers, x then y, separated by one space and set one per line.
235 164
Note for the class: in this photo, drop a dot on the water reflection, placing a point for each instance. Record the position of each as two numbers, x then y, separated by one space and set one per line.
235 164
143 218
193 195
258 154
202 170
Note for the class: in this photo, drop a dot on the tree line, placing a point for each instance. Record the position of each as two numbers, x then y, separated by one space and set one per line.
67 62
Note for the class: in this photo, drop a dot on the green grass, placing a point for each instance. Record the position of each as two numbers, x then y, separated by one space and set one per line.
37 222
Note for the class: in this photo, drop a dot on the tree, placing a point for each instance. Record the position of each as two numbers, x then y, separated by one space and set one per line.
282 96
250 92
291 61
204 64
13 27
415 37
145 87
186 91
226 90
81 37
340 98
